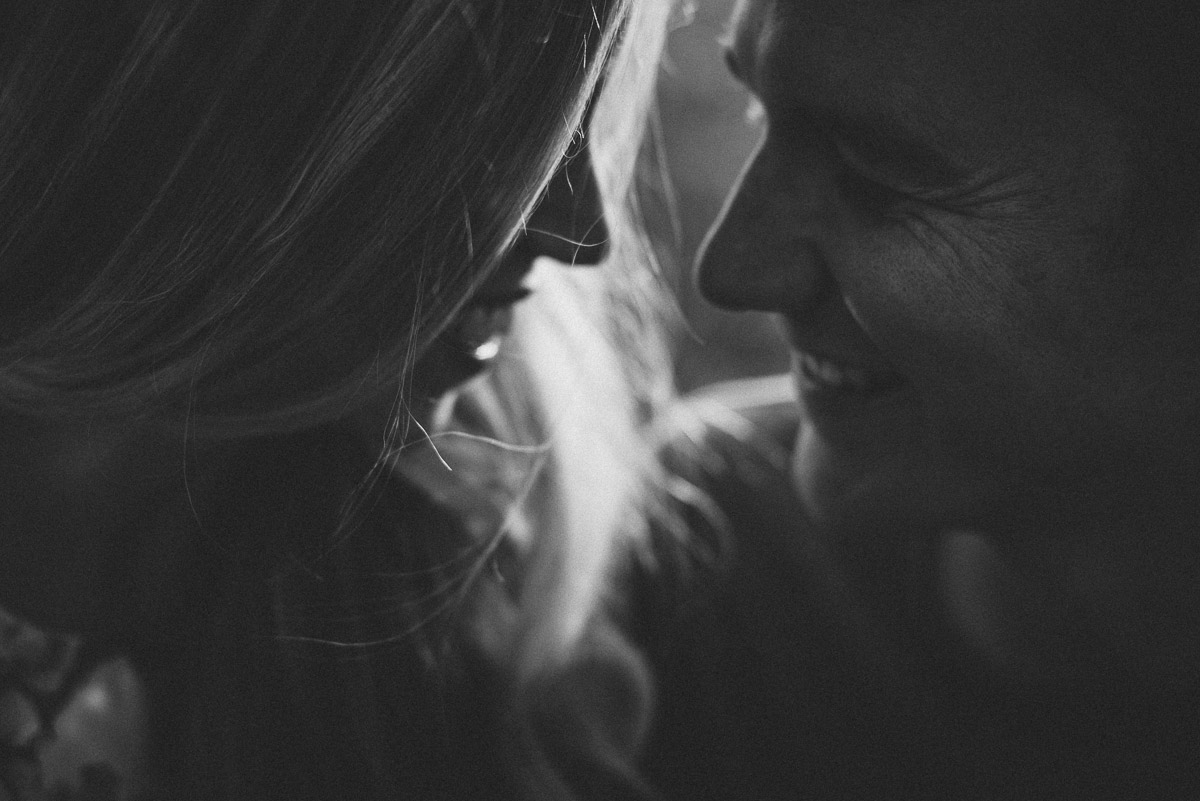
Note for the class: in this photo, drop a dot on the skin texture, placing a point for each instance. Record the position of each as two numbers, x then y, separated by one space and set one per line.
940 201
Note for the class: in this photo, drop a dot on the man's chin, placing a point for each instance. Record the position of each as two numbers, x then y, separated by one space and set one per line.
839 484
882 486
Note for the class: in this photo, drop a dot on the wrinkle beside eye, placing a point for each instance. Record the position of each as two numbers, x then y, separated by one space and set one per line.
990 194
996 196
953 243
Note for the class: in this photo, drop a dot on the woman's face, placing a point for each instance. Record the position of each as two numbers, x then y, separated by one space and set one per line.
933 214
87 490
568 226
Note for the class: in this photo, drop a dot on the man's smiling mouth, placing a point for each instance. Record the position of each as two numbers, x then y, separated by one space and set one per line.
823 373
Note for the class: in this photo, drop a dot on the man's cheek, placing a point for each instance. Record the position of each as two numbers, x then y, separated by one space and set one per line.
912 306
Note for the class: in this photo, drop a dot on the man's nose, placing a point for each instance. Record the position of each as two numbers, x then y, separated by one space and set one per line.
767 249
568 225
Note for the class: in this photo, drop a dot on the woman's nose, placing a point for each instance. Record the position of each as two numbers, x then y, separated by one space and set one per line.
766 251
568 225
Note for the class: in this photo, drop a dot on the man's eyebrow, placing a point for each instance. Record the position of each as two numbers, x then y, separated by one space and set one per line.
894 144
882 135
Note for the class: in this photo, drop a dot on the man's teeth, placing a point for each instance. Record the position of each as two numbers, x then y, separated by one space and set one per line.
838 376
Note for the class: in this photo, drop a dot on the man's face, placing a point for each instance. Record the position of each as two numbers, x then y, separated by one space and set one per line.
940 216
934 213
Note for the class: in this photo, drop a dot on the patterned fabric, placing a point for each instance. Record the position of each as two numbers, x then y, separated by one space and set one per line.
71 728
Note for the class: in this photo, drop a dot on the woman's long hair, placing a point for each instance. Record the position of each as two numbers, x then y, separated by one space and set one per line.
546 458
247 219
252 215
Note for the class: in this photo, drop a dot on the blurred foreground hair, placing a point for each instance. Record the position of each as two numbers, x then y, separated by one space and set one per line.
252 215
556 436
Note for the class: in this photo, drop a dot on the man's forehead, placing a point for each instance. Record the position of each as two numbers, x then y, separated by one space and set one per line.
882 39
961 76
751 18
794 48
802 28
